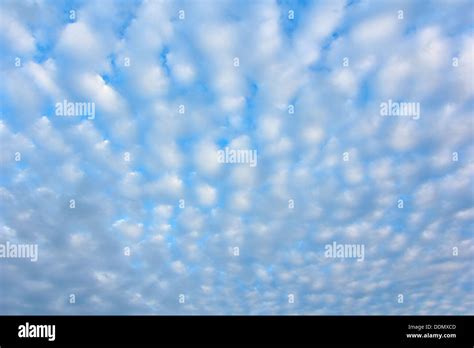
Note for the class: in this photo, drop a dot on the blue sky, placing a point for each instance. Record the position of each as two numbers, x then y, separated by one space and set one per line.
332 170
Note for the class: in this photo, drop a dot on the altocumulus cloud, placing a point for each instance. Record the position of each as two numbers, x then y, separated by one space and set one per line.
133 213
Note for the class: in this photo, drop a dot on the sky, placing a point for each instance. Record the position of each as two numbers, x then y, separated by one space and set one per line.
133 212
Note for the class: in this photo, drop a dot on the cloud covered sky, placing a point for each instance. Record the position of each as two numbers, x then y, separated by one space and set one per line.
169 93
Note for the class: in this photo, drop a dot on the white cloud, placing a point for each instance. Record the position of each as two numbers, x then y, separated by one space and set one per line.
16 35
207 194
178 267
129 229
